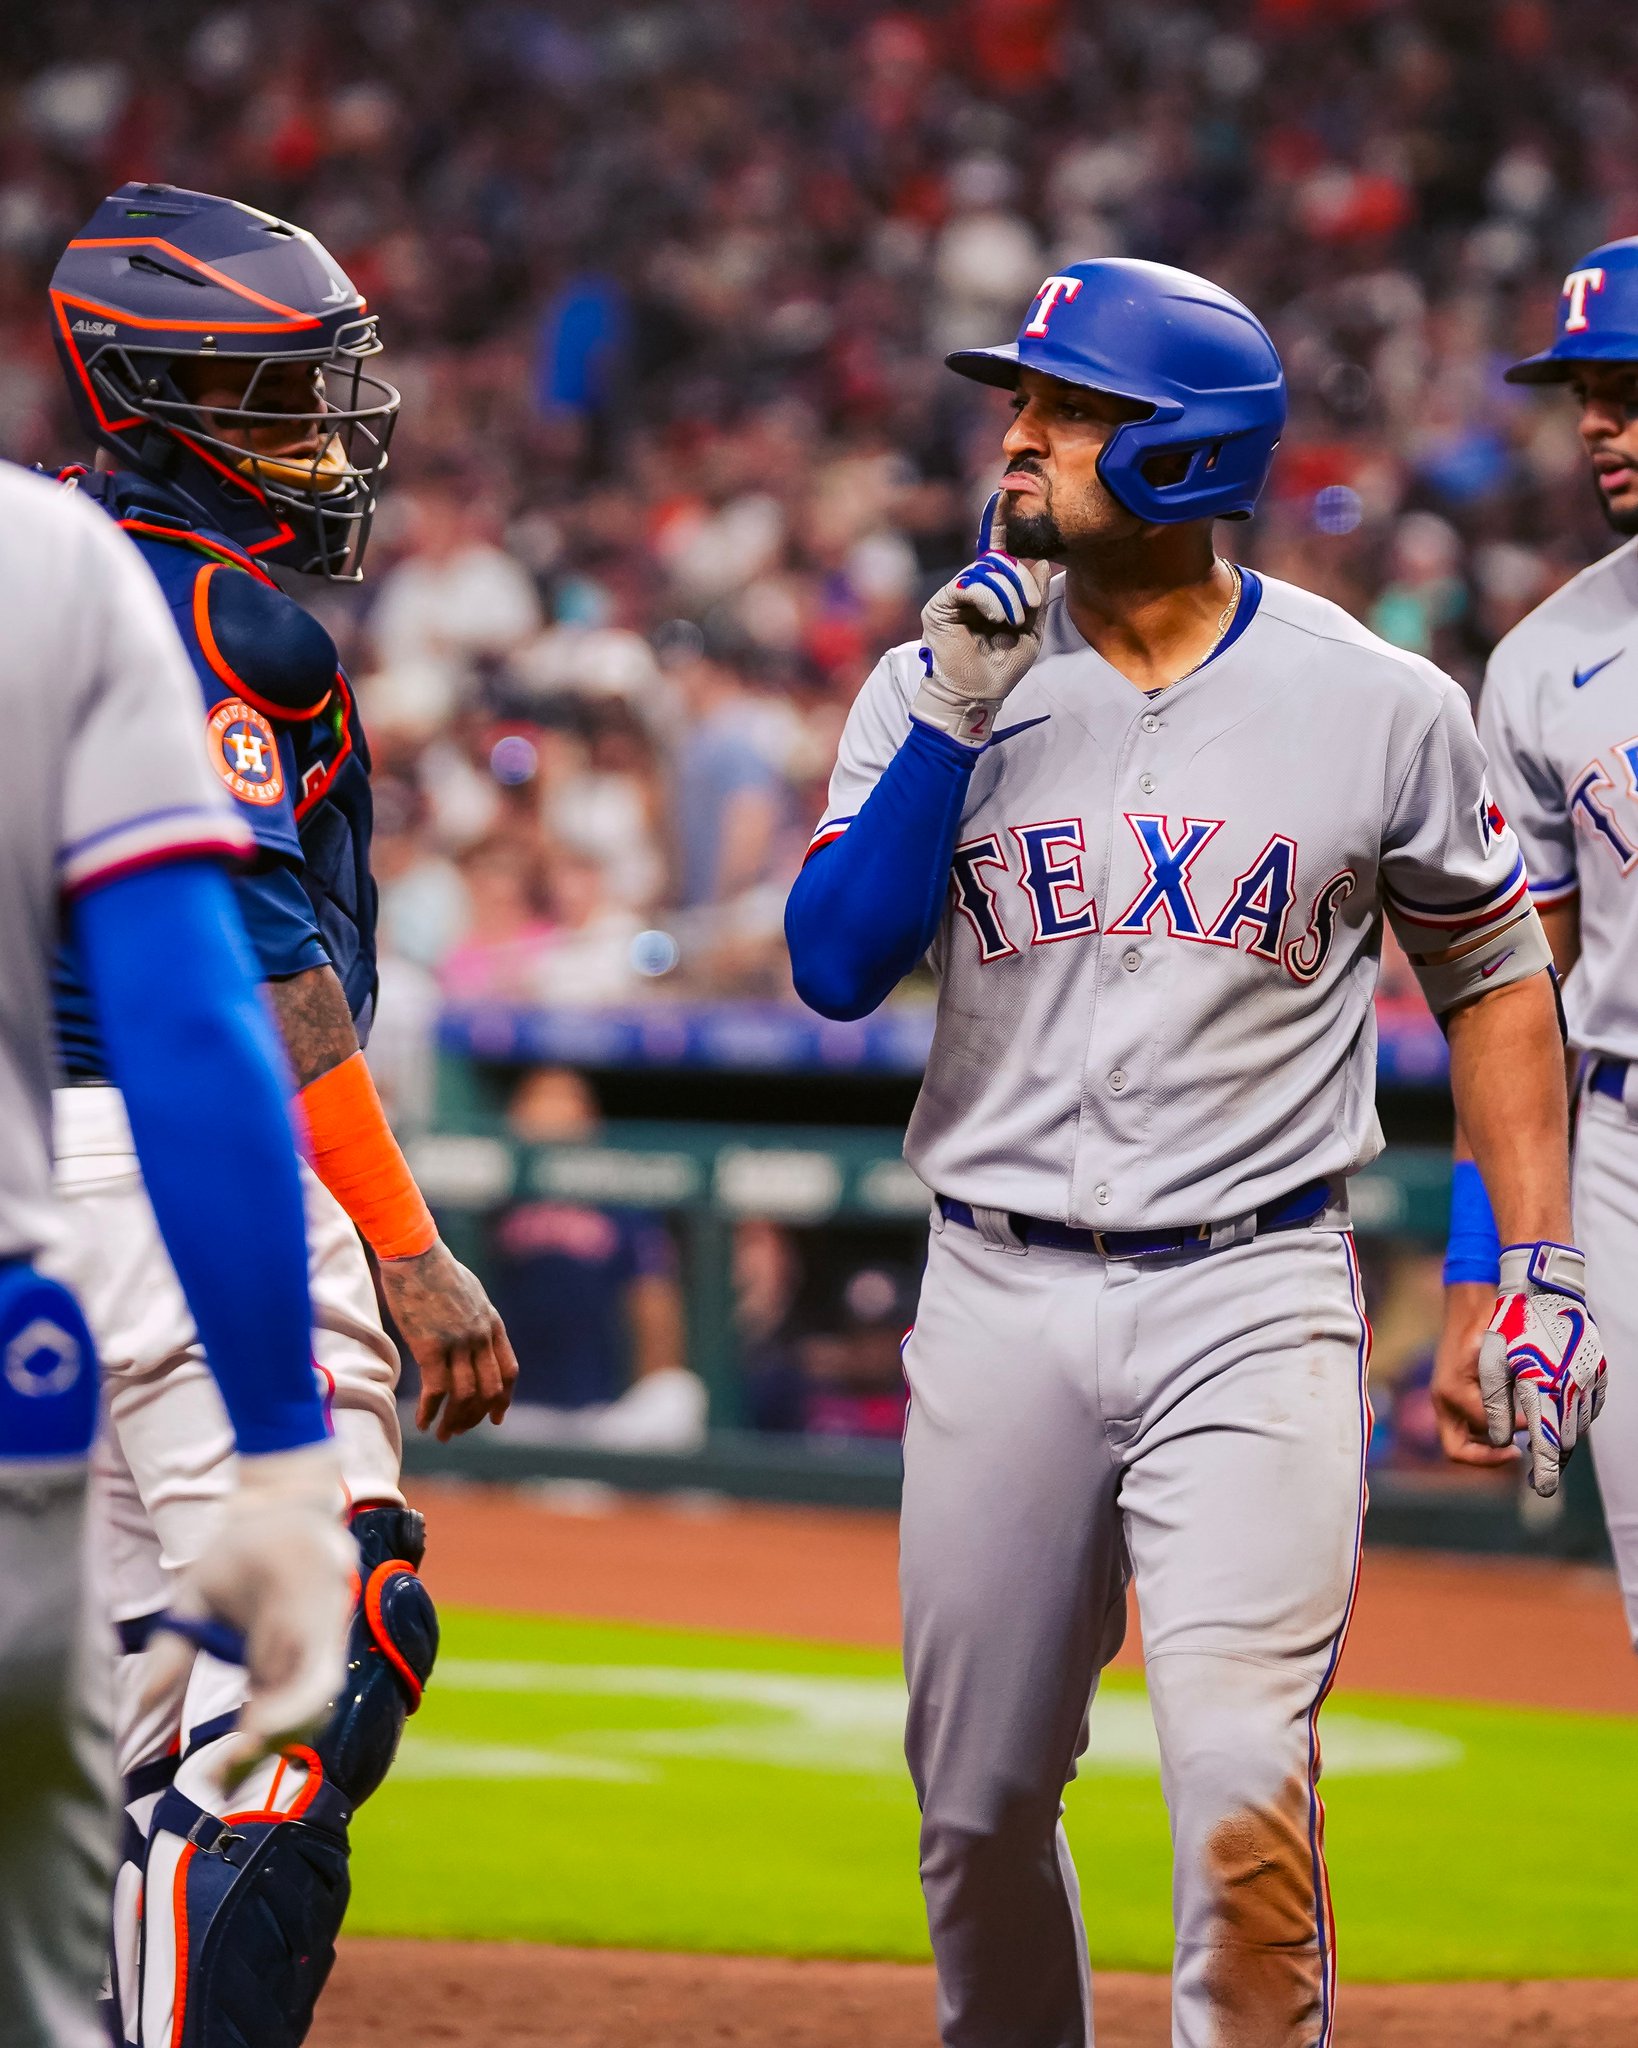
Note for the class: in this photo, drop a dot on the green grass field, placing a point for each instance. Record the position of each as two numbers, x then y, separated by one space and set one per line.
655 1788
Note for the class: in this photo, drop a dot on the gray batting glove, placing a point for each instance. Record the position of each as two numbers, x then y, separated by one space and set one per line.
274 1591
1541 1363
980 634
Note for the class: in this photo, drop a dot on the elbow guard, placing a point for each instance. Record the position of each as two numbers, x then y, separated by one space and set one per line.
1512 954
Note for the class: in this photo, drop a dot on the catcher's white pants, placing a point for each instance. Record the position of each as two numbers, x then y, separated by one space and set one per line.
164 1461
1199 1423
1605 1200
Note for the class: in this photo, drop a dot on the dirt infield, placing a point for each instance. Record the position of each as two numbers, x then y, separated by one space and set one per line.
470 1996
1437 1627
1503 1629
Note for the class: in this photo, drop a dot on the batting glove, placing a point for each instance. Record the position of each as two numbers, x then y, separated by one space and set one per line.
273 1591
1541 1362
980 632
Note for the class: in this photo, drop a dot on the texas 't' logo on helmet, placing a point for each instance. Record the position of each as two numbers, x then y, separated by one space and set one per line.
244 751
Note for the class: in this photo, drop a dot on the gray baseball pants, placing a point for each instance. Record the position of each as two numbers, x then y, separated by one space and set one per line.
1604 1195
1198 1423
57 1790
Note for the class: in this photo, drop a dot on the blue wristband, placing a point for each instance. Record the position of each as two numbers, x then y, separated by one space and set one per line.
1473 1253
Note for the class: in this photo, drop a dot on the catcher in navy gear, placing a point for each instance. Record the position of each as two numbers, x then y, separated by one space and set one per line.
218 358
220 353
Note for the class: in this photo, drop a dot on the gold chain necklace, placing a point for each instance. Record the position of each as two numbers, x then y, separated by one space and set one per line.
1228 611
1224 621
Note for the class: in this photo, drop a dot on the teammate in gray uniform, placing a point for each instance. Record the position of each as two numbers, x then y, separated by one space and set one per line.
1559 719
110 819
1147 817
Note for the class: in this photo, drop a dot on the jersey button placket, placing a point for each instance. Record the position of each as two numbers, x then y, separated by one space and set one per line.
1147 784
1131 960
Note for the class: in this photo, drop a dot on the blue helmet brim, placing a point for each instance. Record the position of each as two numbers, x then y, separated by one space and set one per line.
1000 367
997 366
1557 365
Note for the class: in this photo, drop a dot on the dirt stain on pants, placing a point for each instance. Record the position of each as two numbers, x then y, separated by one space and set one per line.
1265 1977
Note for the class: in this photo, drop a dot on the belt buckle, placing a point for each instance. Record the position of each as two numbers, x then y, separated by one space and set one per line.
1099 1244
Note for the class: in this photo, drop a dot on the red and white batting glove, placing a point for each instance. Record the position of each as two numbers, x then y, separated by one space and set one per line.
1541 1362
980 634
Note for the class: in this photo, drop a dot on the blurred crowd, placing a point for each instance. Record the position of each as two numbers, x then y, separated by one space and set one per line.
666 286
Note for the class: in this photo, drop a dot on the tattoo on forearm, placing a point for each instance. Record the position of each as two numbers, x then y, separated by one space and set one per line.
315 1022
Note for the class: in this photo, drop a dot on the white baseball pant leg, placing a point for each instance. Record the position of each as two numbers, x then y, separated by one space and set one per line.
1604 1194
161 1468
57 1788
1199 1422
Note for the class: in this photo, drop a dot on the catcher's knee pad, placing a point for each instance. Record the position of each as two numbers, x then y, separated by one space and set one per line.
389 1657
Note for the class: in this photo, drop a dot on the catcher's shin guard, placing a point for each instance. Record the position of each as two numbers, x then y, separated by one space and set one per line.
259 1895
393 1648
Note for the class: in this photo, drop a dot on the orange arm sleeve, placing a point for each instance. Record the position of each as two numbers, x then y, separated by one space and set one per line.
356 1156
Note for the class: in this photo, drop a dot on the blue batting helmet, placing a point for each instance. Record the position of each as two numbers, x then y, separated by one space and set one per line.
160 285
1597 317
1199 360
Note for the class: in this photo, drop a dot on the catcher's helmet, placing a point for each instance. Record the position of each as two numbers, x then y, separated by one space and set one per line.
1597 317
1202 363
159 280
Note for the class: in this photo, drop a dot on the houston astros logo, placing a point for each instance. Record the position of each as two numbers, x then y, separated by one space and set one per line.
245 752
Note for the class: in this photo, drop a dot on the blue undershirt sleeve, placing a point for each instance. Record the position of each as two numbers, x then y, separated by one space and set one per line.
193 1051
1473 1249
867 906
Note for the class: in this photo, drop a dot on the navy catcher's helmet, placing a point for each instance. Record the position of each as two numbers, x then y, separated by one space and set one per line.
1597 317
160 280
1202 363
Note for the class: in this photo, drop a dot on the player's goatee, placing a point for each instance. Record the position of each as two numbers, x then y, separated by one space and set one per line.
1034 536
1622 521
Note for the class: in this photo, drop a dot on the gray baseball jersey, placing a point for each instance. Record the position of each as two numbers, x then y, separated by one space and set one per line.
1158 956
102 769
1559 718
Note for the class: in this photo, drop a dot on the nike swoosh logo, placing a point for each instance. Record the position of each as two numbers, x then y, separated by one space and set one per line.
1583 676
1008 731
1486 972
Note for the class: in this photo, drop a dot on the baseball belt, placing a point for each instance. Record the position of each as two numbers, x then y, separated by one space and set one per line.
1289 1212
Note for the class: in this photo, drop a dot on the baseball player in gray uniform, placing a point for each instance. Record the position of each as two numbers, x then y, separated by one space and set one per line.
1146 818
1558 716
112 824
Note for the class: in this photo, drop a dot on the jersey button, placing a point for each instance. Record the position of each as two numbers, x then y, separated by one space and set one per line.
1117 1080
1147 784
1131 960
1150 722
1100 1193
